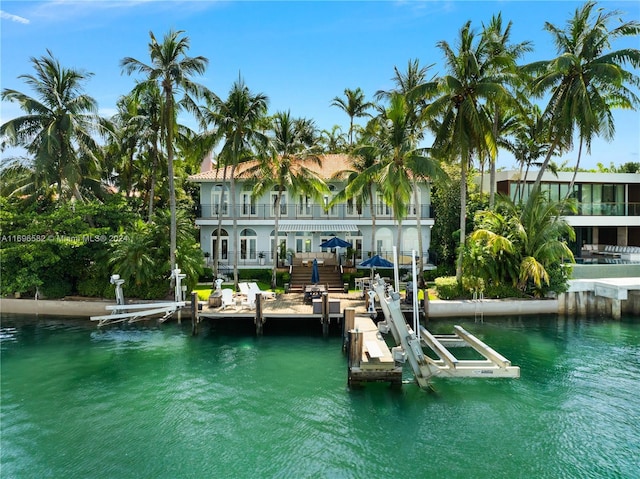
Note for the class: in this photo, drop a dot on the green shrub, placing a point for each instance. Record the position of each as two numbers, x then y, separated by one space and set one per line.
448 287
56 289
502 290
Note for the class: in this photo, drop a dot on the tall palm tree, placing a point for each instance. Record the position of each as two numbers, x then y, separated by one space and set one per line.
358 184
293 147
466 125
401 160
354 105
171 69
587 79
496 39
238 121
58 127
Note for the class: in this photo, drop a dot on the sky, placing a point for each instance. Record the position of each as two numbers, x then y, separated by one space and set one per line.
301 54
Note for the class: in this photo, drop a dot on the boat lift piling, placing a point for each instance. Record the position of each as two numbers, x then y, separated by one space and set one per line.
410 346
121 312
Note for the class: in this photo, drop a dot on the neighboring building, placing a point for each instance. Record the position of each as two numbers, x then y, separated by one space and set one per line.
304 224
608 204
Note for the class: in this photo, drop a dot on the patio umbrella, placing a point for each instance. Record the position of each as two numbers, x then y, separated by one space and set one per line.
376 261
336 242
315 273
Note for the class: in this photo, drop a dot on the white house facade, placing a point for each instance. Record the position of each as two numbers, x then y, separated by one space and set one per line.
304 223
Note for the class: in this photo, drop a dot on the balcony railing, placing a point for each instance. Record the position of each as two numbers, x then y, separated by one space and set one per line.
609 209
298 212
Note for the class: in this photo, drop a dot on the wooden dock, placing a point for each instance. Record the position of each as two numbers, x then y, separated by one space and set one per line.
369 357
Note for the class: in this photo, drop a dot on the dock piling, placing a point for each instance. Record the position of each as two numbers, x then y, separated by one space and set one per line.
194 313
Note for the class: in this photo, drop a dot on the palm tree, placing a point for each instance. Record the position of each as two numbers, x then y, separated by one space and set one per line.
497 44
58 128
239 122
333 140
525 241
466 125
293 147
358 184
171 69
587 79
401 161
353 105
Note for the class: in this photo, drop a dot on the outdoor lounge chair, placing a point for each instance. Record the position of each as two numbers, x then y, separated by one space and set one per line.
250 301
265 294
244 288
228 299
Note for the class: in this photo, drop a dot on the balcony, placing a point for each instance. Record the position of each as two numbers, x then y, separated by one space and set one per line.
608 209
302 213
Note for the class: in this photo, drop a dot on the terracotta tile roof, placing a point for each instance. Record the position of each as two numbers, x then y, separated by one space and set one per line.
331 164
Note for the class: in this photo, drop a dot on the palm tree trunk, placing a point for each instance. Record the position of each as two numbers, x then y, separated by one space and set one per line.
463 214
575 170
546 162
152 189
216 249
172 187
372 208
275 249
232 193
418 225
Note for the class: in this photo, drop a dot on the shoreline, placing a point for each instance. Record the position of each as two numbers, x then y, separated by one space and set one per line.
437 308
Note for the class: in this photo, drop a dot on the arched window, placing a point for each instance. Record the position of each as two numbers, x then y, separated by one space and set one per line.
223 253
248 244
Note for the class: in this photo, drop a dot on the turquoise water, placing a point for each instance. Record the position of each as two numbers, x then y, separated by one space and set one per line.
154 402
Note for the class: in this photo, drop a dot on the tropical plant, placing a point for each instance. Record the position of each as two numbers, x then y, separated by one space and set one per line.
171 70
521 243
58 131
284 168
587 79
466 126
354 105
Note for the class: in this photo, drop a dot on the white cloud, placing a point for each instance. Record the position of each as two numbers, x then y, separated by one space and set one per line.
14 18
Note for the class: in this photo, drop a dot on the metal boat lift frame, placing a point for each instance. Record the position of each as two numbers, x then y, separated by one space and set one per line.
410 346
121 312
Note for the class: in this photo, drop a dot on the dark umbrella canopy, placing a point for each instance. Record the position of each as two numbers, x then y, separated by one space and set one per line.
315 273
335 242
376 261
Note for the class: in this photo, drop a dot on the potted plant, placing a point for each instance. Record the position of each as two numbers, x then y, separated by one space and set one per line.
261 257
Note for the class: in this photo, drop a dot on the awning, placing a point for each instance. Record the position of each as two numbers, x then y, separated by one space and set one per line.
315 226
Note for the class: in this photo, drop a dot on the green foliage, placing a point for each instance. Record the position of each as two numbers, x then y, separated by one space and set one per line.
448 287
502 290
473 284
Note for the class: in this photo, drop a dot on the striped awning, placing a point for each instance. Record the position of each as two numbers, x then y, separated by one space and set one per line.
315 226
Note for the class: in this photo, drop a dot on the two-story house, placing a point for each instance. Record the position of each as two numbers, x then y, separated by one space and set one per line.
304 222
608 205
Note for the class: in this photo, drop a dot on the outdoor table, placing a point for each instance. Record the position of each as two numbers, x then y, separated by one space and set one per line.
313 291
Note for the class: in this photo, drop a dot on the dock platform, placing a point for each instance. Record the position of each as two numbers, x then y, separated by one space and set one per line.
369 357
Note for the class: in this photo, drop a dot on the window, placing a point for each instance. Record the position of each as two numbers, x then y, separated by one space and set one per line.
305 205
223 253
248 203
283 202
219 200
248 244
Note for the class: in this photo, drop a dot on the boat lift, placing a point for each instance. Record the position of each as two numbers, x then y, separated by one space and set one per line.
121 312
410 346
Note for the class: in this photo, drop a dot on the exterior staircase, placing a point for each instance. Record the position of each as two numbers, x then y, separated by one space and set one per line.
329 276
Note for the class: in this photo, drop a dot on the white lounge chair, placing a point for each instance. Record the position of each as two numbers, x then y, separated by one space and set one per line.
265 294
228 299
244 288
250 301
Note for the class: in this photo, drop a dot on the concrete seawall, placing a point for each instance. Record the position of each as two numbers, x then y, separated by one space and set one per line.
53 307
492 307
